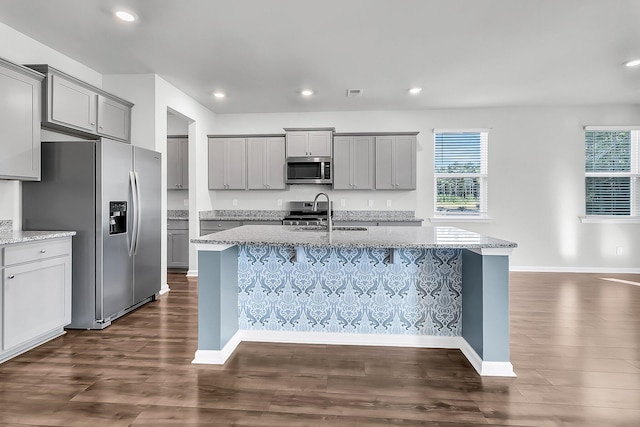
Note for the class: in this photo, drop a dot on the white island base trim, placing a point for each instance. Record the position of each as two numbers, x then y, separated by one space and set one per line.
219 357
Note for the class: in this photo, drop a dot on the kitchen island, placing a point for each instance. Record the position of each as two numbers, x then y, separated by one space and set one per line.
440 287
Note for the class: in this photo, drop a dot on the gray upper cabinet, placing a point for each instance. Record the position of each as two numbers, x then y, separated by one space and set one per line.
114 118
227 163
309 142
177 163
19 122
353 162
396 162
265 163
72 104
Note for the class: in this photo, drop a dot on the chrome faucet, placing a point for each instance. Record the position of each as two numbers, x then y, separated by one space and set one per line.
314 208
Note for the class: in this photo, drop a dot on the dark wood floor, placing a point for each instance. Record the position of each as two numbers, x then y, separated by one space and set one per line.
575 347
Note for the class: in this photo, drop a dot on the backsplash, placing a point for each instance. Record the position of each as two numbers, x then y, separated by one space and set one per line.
6 225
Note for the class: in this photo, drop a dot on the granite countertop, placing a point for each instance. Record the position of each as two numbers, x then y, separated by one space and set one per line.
338 215
11 237
370 237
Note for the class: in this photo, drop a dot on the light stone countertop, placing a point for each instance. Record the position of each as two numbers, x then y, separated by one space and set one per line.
12 237
371 237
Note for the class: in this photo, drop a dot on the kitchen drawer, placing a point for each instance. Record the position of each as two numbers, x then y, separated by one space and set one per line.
35 251
262 222
177 224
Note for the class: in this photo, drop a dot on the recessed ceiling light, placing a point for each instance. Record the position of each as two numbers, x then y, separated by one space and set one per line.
306 92
125 16
219 94
632 63
415 90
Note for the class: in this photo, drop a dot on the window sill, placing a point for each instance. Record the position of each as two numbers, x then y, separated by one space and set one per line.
453 218
609 219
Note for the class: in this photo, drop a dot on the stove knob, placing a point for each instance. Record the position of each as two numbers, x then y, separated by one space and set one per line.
297 223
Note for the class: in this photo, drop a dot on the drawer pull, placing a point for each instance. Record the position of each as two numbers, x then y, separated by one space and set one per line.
12 276
43 251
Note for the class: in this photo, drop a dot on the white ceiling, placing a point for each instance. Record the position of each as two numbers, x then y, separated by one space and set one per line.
464 53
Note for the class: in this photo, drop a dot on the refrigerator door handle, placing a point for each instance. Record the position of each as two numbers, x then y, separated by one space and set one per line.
134 199
138 208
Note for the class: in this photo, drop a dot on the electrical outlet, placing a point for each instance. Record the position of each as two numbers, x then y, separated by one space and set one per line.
186 202
343 203
279 202
388 203
619 250
234 202
370 203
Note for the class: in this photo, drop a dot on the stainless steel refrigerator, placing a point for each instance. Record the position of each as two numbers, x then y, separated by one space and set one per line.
109 193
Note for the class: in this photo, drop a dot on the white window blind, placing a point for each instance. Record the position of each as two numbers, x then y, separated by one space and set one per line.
612 172
461 170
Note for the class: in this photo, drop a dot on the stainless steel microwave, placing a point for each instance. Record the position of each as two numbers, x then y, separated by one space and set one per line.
309 170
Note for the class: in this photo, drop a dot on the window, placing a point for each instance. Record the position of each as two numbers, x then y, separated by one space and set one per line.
612 172
460 165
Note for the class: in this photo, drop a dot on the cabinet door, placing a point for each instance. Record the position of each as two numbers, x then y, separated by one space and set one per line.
297 144
275 163
257 163
342 163
405 163
19 125
113 119
216 163
178 248
72 104
177 164
236 164
362 162
384 162
37 299
320 143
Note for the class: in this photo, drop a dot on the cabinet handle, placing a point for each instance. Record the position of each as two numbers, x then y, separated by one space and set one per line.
43 251
12 276
101 127
93 123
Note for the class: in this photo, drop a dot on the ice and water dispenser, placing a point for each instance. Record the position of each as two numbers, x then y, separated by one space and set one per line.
117 217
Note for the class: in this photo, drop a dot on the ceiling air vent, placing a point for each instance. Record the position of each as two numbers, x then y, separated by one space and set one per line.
354 92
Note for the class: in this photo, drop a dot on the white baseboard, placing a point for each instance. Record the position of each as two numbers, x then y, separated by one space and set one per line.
192 273
334 338
219 357
164 289
538 269
488 369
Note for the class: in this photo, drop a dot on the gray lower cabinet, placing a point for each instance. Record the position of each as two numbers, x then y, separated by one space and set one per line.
227 164
36 294
396 162
69 103
265 163
19 122
177 163
353 163
178 243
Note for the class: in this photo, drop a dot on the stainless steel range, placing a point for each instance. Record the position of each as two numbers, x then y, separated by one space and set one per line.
302 213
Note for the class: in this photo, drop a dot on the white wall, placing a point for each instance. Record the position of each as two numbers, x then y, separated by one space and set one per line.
536 177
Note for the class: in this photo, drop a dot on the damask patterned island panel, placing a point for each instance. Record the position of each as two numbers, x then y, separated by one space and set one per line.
438 287
350 290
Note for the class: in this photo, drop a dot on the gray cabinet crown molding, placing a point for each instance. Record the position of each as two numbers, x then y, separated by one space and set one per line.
376 134
329 129
249 135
